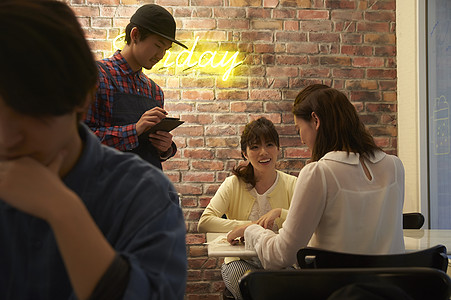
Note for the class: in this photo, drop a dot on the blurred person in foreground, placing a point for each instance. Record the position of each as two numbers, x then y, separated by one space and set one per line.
75 220
349 198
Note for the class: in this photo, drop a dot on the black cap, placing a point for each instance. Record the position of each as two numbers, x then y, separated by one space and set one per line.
157 20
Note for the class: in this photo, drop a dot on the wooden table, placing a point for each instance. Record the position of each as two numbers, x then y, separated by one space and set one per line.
414 240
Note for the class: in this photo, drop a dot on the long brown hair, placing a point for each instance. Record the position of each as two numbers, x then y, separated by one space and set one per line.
252 134
340 126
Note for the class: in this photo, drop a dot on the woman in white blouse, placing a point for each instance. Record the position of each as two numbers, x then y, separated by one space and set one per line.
349 198
256 192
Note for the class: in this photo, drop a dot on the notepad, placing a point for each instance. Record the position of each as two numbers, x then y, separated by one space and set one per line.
167 124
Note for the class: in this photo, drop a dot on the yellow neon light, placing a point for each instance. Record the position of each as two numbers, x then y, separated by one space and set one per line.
190 60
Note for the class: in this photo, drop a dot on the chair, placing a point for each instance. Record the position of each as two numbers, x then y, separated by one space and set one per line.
412 220
316 258
320 284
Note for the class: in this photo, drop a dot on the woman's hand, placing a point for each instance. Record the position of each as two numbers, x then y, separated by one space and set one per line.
267 220
237 234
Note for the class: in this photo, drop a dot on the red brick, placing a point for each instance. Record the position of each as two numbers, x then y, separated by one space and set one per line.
291 25
346 15
206 3
245 3
291 60
199 24
376 38
208 165
381 73
380 16
174 164
233 24
209 107
229 12
389 96
316 26
313 14
197 287
341 4
348 73
246 106
361 84
324 37
228 154
176 106
222 142
291 37
295 3
197 119
368 62
356 50
258 13
315 72
256 36
199 153
195 142
197 94
373 26
265 95
335 60
266 25
383 130
307 48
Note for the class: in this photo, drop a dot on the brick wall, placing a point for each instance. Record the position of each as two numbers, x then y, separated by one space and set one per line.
285 45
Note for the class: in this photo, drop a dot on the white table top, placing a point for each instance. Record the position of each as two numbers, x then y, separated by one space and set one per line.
414 240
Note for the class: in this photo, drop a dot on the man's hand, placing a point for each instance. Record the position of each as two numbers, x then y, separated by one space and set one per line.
149 119
32 187
161 140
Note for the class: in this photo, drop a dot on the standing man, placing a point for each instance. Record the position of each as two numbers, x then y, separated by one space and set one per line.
78 219
127 102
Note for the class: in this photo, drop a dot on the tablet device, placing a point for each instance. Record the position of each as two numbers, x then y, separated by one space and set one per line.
167 124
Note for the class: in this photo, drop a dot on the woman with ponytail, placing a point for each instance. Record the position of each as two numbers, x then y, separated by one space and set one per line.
255 193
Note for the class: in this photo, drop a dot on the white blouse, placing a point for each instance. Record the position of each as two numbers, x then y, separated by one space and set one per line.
335 206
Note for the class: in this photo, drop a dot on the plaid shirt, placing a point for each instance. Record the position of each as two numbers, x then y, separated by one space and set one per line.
99 115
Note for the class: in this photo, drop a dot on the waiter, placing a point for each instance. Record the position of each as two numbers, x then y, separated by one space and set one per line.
127 102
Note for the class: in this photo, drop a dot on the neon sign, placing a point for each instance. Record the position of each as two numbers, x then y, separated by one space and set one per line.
210 62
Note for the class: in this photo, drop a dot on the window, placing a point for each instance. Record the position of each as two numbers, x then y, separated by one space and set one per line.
438 39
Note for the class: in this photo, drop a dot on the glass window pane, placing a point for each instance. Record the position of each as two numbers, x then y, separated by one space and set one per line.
439 98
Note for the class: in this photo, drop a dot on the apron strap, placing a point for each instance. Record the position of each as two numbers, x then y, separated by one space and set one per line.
153 89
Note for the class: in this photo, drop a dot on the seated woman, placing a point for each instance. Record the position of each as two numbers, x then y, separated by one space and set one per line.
349 198
256 192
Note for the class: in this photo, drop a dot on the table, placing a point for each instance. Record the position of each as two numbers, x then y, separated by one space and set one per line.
419 239
414 240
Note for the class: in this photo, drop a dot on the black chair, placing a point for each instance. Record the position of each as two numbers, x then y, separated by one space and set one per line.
413 220
316 258
320 284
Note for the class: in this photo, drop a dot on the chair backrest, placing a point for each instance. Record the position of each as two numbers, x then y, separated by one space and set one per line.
315 258
417 283
413 220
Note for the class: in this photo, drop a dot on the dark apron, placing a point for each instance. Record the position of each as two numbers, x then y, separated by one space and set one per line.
128 109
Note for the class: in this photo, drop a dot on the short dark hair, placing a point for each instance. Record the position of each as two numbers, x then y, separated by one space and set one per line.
143 33
340 126
47 68
252 134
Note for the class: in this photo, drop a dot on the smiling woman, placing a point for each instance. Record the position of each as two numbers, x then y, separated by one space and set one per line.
256 193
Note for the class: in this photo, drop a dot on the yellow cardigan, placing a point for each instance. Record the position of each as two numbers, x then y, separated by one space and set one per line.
234 199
